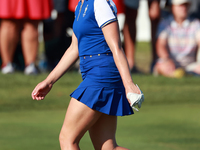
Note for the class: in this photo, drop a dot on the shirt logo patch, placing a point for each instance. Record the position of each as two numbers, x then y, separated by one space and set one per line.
86 8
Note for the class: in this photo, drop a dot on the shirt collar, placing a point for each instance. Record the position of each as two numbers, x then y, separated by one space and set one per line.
185 23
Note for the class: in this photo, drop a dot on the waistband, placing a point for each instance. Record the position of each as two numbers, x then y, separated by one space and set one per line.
95 55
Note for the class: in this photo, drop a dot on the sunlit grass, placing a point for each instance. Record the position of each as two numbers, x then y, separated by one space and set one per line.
168 119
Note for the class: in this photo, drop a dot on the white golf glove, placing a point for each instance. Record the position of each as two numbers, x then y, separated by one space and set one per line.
136 99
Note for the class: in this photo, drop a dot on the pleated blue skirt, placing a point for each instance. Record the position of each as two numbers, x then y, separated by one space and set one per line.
102 88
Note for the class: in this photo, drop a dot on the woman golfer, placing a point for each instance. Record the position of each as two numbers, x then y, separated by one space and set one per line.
101 96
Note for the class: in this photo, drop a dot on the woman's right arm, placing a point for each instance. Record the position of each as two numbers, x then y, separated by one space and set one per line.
69 57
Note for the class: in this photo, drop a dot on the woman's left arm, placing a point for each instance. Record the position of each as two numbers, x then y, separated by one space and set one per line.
111 34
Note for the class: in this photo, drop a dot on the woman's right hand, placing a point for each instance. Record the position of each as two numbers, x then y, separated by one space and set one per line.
41 90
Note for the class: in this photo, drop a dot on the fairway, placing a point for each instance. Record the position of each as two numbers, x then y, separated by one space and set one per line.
168 127
168 119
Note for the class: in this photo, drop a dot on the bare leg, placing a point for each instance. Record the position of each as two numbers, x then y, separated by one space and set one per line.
79 118
30 41
154 15
103 132
9 38
130 35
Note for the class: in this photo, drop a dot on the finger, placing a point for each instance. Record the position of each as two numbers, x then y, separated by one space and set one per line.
40 96
33 96
34 93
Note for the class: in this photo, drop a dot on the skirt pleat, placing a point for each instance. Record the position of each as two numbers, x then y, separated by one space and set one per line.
102 88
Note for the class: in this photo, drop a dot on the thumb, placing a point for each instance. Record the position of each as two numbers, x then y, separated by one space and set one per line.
34 93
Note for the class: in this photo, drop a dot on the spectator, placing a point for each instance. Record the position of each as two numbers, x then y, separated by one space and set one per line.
119 4
55 36
195 9
178 41
131 9
21 16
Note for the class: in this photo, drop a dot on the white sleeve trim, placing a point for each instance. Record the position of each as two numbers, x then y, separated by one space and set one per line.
104 13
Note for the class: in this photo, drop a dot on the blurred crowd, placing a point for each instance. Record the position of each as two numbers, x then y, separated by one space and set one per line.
175 34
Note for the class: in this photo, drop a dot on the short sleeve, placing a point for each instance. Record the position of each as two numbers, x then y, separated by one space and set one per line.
105 12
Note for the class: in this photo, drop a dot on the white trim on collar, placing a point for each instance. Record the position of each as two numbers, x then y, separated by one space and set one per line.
185 24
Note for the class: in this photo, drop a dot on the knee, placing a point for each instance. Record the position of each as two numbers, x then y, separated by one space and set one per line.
30 33
9 26
154 11
64 139
154 15
67 142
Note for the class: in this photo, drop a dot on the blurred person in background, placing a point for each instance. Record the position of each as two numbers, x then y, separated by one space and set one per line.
21 16
195 12
178 42
195 9
119 4
131 10
56 37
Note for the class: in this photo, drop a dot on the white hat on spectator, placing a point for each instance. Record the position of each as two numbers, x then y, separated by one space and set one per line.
179 2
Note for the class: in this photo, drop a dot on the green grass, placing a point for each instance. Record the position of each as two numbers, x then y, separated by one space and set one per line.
168 119
166 127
